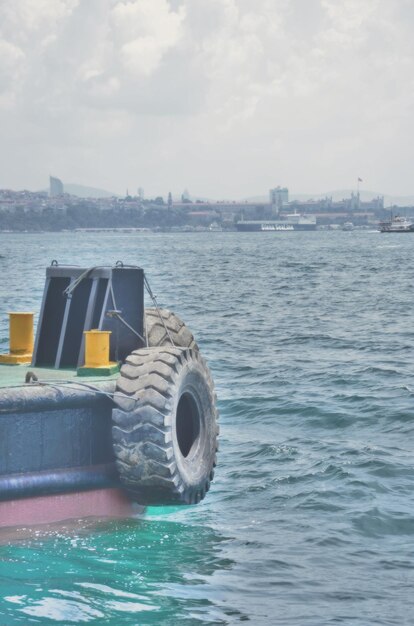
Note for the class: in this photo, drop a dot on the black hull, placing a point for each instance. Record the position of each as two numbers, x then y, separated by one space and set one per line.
55 441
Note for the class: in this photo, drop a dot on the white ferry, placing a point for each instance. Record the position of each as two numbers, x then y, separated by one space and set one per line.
397 224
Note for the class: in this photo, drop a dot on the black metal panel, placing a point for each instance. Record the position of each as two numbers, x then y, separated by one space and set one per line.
75 324
51 323
60 330
99 302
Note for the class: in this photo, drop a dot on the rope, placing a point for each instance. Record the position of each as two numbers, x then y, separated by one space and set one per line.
87 388
118 316
71 288
116 313
154 299
145 330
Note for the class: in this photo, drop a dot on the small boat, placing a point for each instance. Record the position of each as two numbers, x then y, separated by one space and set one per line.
397 224
348 226
215 227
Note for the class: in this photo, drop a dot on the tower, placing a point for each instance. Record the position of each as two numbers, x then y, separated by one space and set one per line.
279 196
55 187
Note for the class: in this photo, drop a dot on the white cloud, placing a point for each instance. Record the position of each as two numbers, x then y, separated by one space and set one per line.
226 97
23 19
146 31
12 60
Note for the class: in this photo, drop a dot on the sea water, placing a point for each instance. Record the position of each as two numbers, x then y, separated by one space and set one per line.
310 520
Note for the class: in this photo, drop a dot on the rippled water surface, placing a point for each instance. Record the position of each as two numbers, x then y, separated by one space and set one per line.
311 517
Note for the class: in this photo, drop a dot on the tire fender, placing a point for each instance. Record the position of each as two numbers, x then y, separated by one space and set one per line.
156 323
165 426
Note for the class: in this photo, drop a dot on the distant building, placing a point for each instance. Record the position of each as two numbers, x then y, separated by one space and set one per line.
351 204
55 187
141 194
279 196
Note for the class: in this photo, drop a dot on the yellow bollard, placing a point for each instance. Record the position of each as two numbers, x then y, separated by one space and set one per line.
21 339
97 354
21 332
97 348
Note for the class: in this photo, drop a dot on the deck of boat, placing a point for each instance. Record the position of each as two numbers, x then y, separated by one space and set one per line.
15 376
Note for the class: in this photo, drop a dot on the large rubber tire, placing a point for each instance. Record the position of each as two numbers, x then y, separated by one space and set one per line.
156 334
165 426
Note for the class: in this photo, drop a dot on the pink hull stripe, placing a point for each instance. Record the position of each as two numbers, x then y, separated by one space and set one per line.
56 508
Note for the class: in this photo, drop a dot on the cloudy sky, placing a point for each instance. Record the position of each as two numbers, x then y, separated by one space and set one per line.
224 97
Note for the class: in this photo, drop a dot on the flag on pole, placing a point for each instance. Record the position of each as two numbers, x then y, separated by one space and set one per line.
360 180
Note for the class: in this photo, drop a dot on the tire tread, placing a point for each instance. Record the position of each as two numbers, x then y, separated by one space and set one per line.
141 431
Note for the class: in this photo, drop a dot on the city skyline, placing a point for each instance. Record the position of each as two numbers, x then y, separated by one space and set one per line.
217 97
276 197
262 196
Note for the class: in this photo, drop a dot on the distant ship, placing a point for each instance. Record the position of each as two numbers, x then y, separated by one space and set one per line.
215 227
397 224
292 222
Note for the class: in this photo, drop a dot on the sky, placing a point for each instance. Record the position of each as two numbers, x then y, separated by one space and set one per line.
225 98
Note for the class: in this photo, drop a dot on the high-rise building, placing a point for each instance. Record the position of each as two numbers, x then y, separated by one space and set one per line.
279 196
55 187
